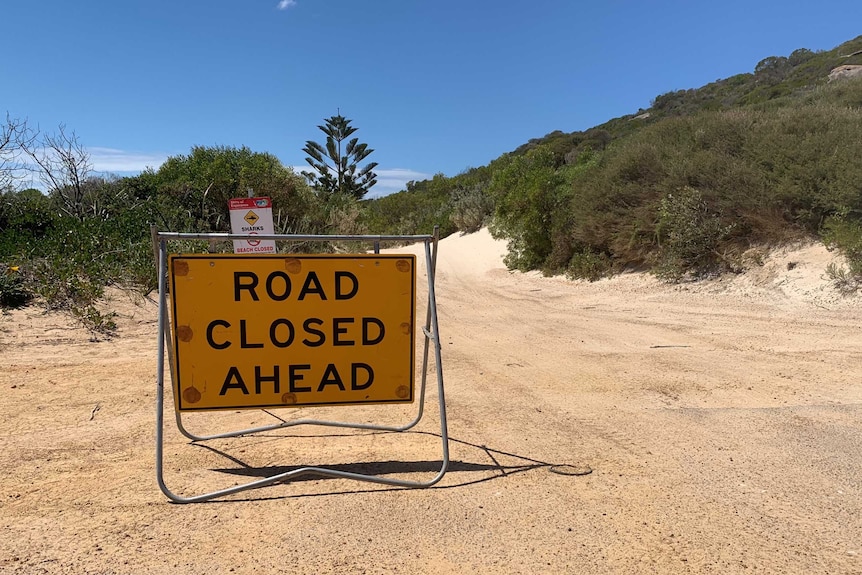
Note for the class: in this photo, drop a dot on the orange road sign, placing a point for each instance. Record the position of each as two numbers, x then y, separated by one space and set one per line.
263 331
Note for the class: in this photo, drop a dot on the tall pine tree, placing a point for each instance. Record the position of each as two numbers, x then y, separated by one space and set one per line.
336 164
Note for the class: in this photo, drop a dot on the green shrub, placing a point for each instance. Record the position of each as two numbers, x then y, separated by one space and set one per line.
13 292
845 235
416 210
471 208
589 265
72 286
689 235
528 193
70 265
842 278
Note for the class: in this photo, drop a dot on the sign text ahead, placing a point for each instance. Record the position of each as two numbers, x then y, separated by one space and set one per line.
276 330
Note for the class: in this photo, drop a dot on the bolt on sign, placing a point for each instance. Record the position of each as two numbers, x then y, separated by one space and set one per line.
263 331
252 216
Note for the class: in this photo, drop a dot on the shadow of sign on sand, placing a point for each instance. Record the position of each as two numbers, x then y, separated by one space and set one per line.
486 460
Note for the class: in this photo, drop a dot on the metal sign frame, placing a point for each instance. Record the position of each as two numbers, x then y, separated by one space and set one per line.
430 330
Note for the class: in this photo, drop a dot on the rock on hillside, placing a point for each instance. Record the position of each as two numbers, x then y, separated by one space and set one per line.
847 71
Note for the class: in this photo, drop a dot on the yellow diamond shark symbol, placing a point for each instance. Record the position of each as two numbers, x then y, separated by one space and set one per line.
251 218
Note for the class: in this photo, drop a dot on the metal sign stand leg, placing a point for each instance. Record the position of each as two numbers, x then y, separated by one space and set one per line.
430 331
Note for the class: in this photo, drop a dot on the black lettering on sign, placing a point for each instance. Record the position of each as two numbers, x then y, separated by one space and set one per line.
361 378
354 376
279 287
243 337
337 330
295 377
339 288
330 377
259 378
233 380
239 285
282 333
213 324
321 337
311 285
366 331
283 289
273 333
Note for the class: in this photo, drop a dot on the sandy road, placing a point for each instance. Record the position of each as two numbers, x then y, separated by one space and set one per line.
722 423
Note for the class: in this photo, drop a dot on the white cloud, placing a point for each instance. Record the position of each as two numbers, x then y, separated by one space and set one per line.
285 4
102 161
118 161
394 180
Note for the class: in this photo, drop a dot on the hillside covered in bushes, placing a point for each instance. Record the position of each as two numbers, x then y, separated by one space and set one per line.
683 189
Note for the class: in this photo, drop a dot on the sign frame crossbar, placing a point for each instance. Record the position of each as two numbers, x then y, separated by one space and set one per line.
430 332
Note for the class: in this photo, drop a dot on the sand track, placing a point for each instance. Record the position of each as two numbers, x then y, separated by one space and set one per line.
721 420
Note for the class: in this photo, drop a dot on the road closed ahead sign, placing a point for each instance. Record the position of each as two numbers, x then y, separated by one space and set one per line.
262 331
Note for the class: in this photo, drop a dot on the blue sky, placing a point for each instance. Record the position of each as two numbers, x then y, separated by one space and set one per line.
433 86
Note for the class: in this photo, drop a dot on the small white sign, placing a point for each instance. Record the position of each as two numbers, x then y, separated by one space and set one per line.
252 216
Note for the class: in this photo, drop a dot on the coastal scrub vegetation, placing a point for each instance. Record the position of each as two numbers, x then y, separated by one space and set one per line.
682 189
